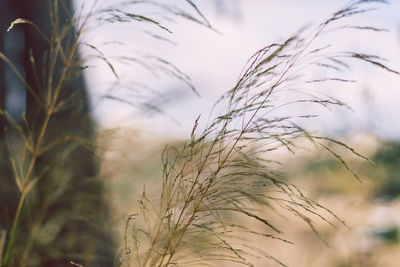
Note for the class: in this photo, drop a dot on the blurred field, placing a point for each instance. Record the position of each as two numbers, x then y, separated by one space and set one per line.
369 209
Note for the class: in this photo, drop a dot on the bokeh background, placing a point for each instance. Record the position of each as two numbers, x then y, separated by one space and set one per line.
214 60
139 108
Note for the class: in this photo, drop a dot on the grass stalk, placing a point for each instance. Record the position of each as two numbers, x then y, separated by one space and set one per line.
222 171
36 151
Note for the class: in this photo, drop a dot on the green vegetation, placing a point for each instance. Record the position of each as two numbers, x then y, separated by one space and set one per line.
387 172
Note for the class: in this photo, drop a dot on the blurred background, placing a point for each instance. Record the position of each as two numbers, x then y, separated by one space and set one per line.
214 59
139 106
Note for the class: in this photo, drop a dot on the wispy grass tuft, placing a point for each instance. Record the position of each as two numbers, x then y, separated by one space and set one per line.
225 171
52 151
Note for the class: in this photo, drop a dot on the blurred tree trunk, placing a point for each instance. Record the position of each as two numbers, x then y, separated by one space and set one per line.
2 79
64 216
8 190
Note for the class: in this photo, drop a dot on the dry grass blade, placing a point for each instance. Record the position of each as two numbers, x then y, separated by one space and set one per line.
221 171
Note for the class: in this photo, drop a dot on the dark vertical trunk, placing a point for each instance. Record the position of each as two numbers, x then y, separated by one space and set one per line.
64 216
3 23
2 80
8 190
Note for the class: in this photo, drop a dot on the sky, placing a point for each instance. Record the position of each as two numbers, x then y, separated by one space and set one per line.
213 59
